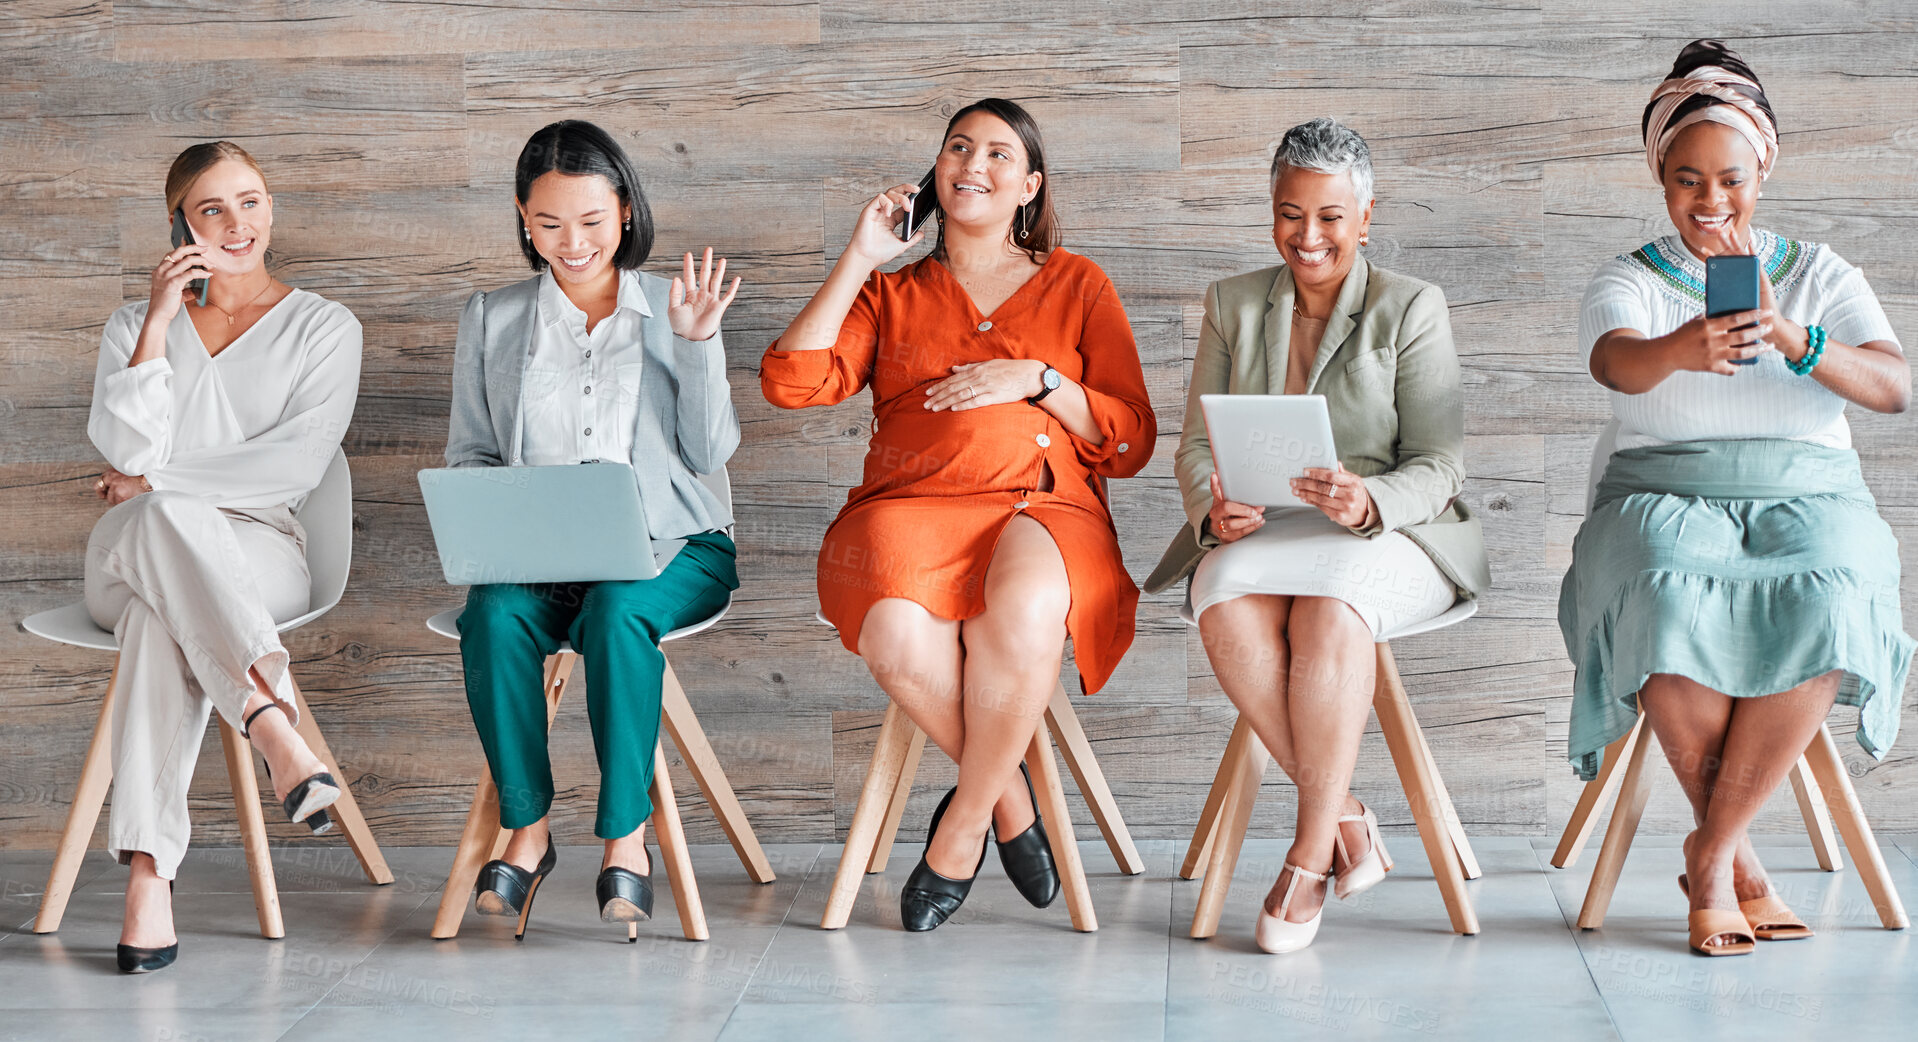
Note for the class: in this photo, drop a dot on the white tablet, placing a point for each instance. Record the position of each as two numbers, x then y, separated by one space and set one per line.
1260 442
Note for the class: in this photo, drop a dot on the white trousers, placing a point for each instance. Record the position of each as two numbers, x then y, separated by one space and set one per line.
192 592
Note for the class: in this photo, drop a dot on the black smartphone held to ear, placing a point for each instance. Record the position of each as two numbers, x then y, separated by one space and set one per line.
183 236
923 204
1731 286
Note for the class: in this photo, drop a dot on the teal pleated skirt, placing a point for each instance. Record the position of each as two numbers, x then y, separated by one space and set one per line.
1747 566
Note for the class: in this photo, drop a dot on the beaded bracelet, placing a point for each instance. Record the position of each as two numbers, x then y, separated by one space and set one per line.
1814 351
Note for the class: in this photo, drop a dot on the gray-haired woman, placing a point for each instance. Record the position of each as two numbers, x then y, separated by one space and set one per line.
1290 601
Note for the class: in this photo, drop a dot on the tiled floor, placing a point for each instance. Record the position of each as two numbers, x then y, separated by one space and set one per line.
357 961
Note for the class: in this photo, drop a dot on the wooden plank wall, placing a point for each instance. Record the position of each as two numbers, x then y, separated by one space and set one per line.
1507 149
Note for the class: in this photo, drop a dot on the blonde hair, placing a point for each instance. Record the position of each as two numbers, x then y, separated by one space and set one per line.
198 159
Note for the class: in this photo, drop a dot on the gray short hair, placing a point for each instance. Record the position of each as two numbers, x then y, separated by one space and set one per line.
1325 146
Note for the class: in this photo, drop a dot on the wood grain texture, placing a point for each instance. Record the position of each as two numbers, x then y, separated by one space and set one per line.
1508 168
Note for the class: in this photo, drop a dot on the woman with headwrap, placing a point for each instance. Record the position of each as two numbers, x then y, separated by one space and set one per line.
1733 578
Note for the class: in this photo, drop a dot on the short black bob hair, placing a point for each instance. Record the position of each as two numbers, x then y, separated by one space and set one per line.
574 146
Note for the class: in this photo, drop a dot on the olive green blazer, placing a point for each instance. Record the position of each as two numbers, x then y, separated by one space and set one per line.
1391 382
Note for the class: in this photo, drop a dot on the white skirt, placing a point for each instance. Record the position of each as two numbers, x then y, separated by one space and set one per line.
1299 552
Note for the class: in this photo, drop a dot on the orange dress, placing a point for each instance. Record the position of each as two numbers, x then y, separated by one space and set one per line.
940 487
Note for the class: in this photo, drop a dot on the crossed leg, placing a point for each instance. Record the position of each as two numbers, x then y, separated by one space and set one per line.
978 688
1730 754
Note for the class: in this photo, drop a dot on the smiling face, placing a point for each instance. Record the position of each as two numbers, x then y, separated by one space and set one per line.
983 174
228 207
575 221
1316 223
1711 185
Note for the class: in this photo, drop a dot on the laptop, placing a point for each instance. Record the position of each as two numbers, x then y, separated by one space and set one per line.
577 523
1260 442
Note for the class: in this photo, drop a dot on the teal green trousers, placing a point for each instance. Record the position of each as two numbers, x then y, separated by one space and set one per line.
506 634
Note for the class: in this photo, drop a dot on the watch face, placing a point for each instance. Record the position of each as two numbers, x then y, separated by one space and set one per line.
1051 379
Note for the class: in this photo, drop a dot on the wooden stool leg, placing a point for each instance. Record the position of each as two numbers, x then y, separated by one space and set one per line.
1633 791
1077 751
896 807
346 808
477 841
1197 852
246 802
1422 790
1850 817
1454 828
1052 809
1811 805
1578 830
875 796
672 847
96 773
677 714
1246 771
482 839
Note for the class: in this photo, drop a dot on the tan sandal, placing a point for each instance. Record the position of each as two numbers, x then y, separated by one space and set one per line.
1708 923
1772 919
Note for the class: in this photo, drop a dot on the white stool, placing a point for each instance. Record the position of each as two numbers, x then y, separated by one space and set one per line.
327 516
895 759
483 839
1228 807
1818 771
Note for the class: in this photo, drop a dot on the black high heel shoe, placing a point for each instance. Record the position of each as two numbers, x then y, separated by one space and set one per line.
309 799
625 896
929 898
503 888
1027 857
146 960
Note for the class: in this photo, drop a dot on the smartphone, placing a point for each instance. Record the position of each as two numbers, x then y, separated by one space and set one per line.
183 236
1731 286
923 204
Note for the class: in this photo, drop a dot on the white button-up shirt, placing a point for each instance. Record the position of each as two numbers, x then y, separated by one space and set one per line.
580 391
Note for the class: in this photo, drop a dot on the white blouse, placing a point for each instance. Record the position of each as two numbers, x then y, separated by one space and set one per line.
579 392
1661 286
252 427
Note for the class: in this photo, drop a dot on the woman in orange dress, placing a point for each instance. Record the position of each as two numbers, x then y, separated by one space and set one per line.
1005 386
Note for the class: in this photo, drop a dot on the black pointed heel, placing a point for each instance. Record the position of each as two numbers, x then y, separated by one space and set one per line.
625 896
1027 857
503 888
309 799
146 960
929 899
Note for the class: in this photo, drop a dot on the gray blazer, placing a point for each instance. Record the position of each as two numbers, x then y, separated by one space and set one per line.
686 423
1391 381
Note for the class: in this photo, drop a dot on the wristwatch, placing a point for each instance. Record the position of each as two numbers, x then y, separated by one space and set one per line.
1050 381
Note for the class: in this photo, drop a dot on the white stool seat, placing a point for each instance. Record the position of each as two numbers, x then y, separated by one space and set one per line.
327 516
446 624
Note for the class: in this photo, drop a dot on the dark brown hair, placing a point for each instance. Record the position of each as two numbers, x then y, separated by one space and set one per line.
1040 221
198 159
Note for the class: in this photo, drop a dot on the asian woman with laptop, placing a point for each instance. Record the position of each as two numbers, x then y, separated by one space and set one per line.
591 359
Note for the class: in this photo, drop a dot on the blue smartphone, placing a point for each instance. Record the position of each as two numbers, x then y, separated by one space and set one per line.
1731 286
183 236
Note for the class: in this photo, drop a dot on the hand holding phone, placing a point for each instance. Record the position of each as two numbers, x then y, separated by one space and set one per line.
183 236
923 204
1731 286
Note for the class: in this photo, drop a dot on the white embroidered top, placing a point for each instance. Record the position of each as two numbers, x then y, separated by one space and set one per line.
1661 286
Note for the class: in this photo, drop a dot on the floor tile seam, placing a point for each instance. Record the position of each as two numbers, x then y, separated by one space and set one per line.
400 922
760 962
1578 947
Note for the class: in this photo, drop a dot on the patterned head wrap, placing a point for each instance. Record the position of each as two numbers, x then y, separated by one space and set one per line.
1709 83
